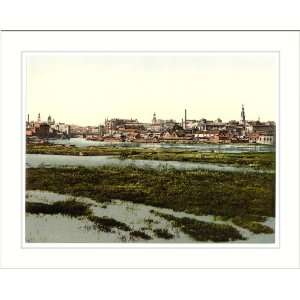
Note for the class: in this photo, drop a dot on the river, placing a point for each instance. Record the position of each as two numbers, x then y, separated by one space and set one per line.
201 147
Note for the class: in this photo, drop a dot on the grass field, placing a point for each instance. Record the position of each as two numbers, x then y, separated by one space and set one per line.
194 191
257 160
243 198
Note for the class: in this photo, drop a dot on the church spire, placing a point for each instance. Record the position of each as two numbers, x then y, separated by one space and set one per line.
154 119
243 117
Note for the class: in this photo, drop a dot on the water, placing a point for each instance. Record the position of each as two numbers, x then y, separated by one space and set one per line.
229 148
57 228
50 160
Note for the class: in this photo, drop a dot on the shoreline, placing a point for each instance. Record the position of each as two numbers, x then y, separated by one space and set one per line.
255 160
162 141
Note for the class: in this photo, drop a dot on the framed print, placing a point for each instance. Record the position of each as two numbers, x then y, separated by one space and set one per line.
168 149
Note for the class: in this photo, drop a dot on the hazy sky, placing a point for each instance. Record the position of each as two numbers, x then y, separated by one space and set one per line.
85 88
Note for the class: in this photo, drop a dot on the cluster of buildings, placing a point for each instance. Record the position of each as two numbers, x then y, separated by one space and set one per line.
158 130
39 130
185 131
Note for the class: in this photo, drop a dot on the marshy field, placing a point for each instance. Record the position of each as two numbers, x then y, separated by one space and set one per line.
159 195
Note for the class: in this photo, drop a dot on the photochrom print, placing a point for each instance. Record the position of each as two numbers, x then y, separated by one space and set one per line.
150 147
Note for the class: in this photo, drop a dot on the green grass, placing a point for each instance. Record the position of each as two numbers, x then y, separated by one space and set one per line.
256 160
72 150
106 224
263 160
252 225
193 191
204 231
137 234
163 234
69 208
75 209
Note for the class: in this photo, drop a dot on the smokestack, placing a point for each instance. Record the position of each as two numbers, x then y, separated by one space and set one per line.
185 119
28 118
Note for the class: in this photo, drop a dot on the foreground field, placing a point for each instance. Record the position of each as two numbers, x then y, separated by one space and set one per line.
141 203
53 217
194 191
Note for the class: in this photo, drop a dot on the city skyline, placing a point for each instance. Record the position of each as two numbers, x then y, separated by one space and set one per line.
40 118
85 89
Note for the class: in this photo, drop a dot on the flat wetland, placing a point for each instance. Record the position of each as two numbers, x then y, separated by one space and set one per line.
258 160
217 206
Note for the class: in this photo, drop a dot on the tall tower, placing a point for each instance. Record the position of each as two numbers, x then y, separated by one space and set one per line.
243 117
154 121
185 119
39 118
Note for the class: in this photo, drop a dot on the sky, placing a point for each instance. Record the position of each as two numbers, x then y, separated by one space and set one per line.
84 89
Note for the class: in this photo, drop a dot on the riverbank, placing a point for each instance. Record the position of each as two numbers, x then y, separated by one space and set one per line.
256 160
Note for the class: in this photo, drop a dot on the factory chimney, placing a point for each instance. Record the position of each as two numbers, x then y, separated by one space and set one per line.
185 119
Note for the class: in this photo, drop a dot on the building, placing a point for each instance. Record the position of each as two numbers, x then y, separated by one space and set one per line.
50 121
268 128
157 125
122 126
243 118
46 129
43 130
266 139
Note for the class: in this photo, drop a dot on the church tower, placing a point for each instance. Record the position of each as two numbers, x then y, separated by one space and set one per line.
243 117
154 121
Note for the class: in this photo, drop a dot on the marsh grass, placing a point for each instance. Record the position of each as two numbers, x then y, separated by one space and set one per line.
263 160
75 209
137 234
204 231
70 208
194 191
251 223
163 234
256 160
107 224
